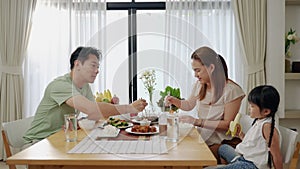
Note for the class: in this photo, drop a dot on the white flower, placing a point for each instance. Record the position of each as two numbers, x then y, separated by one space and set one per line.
290 37
148 78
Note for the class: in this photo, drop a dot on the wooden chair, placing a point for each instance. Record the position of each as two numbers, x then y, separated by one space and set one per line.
294 160
12 134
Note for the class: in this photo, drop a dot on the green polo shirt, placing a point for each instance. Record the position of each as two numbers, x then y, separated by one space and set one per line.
49 117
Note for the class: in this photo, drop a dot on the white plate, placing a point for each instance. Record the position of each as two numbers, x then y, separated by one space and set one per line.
139 121
125 117
128 130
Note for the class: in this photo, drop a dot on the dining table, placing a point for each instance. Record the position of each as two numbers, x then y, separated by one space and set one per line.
190 151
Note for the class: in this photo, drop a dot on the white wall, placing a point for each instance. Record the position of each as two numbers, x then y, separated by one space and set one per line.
292 87
280 19
275 48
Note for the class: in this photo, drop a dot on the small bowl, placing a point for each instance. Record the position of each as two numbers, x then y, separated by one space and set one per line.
138 118
87 124
152 118
145 123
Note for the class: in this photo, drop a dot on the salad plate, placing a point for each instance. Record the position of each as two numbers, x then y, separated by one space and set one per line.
125 126
119 123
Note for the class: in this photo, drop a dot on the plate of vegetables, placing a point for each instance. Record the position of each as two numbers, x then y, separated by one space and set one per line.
121 124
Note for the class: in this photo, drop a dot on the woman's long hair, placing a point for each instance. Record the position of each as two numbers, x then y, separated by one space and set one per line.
219 76
266 97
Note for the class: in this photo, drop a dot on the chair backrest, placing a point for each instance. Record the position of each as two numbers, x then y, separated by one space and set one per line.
14 132
246 122
288 137
288 143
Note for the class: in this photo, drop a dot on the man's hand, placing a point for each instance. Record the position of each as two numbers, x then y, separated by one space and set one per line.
139 104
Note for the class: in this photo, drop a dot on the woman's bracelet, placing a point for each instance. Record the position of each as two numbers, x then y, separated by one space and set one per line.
202 123
199 124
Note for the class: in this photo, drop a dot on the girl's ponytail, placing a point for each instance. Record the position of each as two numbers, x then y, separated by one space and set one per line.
270 140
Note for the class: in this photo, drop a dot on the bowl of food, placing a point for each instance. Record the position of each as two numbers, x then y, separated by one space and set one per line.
145 122
152 118
87 124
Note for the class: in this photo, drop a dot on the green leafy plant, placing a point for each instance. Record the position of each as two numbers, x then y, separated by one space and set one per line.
175 92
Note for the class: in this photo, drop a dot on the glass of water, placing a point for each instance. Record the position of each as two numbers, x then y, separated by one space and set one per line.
70 127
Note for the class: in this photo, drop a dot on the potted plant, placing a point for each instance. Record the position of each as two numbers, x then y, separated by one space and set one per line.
290 38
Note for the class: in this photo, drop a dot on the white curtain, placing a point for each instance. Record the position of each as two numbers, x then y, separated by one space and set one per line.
191 24
251 19
59 27
15 19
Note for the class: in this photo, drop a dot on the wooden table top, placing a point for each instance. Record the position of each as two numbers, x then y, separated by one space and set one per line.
191 150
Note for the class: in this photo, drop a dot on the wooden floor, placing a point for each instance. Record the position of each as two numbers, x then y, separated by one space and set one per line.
4 166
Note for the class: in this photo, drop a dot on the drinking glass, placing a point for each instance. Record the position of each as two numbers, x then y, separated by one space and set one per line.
70 127
172 128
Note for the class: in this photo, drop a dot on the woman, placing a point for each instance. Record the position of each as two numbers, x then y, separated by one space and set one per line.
217 99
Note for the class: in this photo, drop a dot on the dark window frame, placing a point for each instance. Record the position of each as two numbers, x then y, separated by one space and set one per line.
132 8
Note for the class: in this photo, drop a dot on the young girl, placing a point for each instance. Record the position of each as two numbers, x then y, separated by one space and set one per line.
260 147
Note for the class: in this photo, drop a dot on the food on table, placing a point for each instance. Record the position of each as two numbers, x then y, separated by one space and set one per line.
145 122
141 119
106 96
143 129
117 122
110 130
138 118
115 100
152 118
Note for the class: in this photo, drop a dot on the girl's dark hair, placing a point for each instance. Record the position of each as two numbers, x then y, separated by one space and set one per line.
219 76
266 97
82 53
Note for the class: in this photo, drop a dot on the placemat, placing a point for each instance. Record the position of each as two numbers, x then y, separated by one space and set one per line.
89 145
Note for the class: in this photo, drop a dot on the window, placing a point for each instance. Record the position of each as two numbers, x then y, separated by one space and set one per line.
53 38
134 40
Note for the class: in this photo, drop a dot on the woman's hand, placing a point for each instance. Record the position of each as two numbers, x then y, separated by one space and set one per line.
171 100
139 104
168 101
188 119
